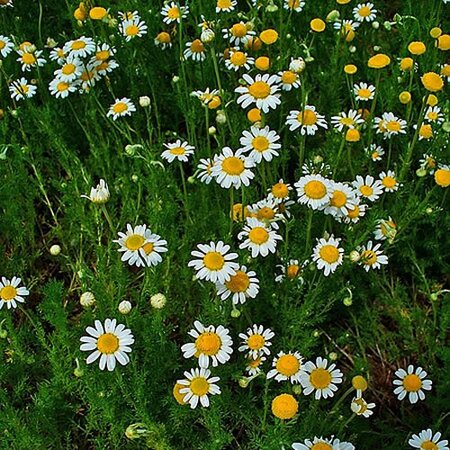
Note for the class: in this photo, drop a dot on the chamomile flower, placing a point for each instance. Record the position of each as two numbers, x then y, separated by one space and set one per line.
178 150
364 92
347 120
5 3
110 342
388 181
70 70
225 5
163 40
376 152
10 292
256 341
232 169
411 382
314 191
102 52
120 108
293 5
353 215
426 439
287 366
195 50
205 96
88 78
211 343
365 12
327 254
361 408
57 54
20 89
205 170
320 378
238 60
347 28
267 211
428 162
343 199
289 80
150 251
129 15
61 89
280 191
262 91
196 387
99 194
6 46
368 187
434 115
104 67
241 286
262 143
371 256
213 262
258 238
386 229
292 270
80 48
308 120
238 33
253 366
389 125
320 443
131 29
172 13
29 59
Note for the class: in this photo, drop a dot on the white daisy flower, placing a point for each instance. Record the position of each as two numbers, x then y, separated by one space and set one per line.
29 59
178 150
261 143
287 366
197 385
71 69
364 92
259 239
327 254
411 383
213 262
205 96
238 60
57 54
427 440
267 211
20 89
6 46
225 5
292 270
253 366
151 250
314 191
320 378
256 341
210 343
129 15
347 28
433 114
308 120
105 67
368 187
131 29
103 52
365 12
353 215
320 443
110 342
343 198
428 162
163 40
233 169
172 13
386 229
388 181
240 287
81 47
294 5
5 3
60 88
371 256
99 194
120 108
262 91
238 33
289 80
389 125
375 152
347 120
280 191
195 50
361 408
11 293
445 71
205 174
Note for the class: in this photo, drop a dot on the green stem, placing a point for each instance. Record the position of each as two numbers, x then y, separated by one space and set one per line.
308 231
339 154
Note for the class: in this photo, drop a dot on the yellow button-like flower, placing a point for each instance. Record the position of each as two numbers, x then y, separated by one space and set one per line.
432 100
262 63
254 115
432 82
269 36
317 25
442 177
405 97
379 61
352 135
284 406
359 383
350 69
435 32
417 48
343 2
443 42
80 14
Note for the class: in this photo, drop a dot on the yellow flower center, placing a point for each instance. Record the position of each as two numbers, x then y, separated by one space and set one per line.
432 82
108 343
389 182
233 165
292 4
442 177
148 247
260 143
134 242
258 235
315 189
329 253
375 155
353 213
265 213
412 383
292 271
426 131
256 342
28 58
197 46
62 86
78 45
366 190
132 30
179 397
288 77
173 13
199 386
68 69
432 115
393 125
223 4
284 406
347 121
163 37
8 293
280 190
120 107
364 11
238 283
429 445
259 89
321 446
287 365
102 55
253 363
2 45
208 343
339 199
213 261
239 30
177 151
364 93
369 257
238 58
307 117
362 405
320 378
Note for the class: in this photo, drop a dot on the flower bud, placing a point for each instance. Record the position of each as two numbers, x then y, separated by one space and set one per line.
333 356
221 117
144 101
87 299
297 389
175 79
235 313
297 65
207 35
375 25
55 250
125 307
354 256
136 431
158 301
421 172
212 131
243 382
333 16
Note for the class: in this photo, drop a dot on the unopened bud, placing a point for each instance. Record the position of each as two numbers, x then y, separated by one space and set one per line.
55 250
125 307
